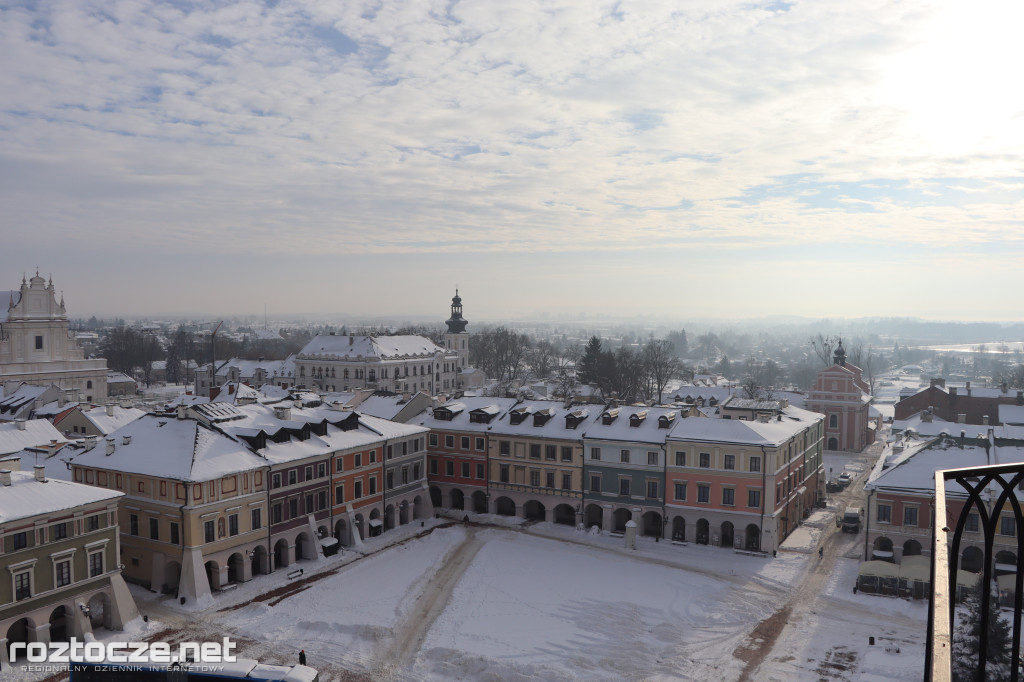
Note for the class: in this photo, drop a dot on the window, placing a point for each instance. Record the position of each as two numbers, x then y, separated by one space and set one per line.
449 468
480 444
652 458
652 489
680 491
680 459
754 498
22 585
154 529
755 464
595 484
972 523
339 464
729 496
433 467
432 440
885 513
309 473
389 451
534 451
95 564
449 441
405 475
293 476
233 524
175 534
293 508
93 522
566 481
465 442
624 484
833 421
535 478
359 459
133 524
275 514
321 469
275 480
595 453
504 447
703 493
1007 526
730 462
504 473
910 516
566 453
465 469
624 456
208 532
551 452
550 479
339 494
20 540
705 459
60 531
39 343
63 573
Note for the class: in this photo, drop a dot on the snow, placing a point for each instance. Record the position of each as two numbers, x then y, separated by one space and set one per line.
26 497
37 434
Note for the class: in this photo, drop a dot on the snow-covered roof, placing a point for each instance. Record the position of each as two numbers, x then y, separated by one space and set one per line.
463 411
385 347
37 434
117 417
545 418
179 449
631 423
779 429
54 408
26 497
22 396
1011 414
119 378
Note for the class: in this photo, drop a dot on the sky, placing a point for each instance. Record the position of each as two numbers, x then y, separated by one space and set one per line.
704 158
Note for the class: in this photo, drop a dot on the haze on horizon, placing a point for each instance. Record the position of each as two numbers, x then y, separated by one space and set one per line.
712 159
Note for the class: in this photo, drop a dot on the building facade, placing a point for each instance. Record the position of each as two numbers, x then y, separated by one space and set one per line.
841 394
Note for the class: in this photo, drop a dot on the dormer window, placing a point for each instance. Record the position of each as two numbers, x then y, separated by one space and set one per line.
575 418
484 415
637 418
518 415
541 418
666 420
609 416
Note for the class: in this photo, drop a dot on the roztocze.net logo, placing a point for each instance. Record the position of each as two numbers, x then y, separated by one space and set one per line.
76 651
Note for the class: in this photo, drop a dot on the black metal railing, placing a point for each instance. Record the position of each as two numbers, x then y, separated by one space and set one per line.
989 492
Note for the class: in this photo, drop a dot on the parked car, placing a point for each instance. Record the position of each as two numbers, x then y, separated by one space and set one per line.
844 479
851 520
833 487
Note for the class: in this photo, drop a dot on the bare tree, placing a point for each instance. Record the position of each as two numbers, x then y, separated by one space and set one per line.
660 365
823 347
542 359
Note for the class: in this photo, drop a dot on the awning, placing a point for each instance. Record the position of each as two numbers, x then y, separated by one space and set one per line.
881 553
879 569
328 541
375 523
1006 568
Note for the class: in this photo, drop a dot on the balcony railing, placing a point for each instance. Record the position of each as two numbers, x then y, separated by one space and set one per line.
988 491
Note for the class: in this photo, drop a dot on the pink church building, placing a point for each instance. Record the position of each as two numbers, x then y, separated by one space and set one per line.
841 394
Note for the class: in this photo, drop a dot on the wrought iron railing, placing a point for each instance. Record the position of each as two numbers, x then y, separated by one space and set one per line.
988 491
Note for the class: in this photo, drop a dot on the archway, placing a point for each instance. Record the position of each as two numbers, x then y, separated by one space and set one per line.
703 532
282 557
213 574
458 499
973 560
752 541
403 513
911 548
389 517
99 611
882 549
59 624
304 547
503 506
259 560
236 568
417 508
375 523
480 502
435 496
534 510
18 632
727 536
341 532
565 515
679 529
620 518
833 443
653 525
1006 562
172 575
594 516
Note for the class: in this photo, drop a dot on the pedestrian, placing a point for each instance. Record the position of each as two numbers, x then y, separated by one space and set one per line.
302 657
821 552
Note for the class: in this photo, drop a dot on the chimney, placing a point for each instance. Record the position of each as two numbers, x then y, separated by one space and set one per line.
63 398
926 416
968 389
110 446
282 412
961 418
40 472
110 409
37 404
984 420
52 450
90 442
20 423
1004 387
952 391
5 477
127 440
933 382
1020 398
351 340
181 411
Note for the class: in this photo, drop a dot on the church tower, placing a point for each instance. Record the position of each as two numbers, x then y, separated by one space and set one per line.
457 338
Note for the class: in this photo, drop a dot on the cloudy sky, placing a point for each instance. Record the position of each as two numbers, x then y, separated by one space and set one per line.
703 158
